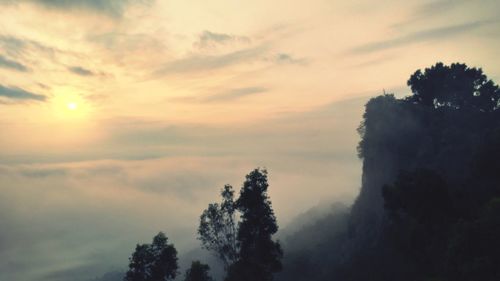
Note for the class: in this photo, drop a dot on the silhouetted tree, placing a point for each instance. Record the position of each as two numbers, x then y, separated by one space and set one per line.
456 86
259 255
198 272
217 230
420 204
153 262
421 194
474 251
246 248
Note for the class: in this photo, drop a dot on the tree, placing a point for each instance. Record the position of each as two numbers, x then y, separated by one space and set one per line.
259 255
420 205
474 249
198 272
217 229
246 249
455 86
153 262
421 194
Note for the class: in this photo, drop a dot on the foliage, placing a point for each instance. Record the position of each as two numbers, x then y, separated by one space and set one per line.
153 262
422 194
217 230
198 272
246 249
456 86
259 255
474 252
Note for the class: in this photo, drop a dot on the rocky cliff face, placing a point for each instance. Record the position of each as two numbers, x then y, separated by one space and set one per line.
386 131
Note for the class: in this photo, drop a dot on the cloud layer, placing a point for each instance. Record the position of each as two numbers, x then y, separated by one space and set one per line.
11 64
84 218
439 33
80 71
110 7
14 93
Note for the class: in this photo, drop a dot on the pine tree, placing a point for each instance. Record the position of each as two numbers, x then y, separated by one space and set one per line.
259 255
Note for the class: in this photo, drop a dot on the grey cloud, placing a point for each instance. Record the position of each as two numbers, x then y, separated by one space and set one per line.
199 63
11 64
222 96
121 45
431 9
184 185
111 276
43 86
43 173
76 273
234 94
12 43
14 46
110 7
420 36
211 39
436 7
17 47
19 94
74 172
81 71
284 58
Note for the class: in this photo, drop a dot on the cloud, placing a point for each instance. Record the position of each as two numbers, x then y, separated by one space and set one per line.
209 39
10 64
436 7
76 273
19 94
235 94
430 9
109 7
21 47
14 46
284 58
43 173
120 42
420 36
223 96
200 63
81 71
48 234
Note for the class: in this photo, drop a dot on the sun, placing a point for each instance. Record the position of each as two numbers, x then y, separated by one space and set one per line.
69 106
72 105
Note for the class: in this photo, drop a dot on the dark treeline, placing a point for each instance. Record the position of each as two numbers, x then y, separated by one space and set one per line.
429 206
428 209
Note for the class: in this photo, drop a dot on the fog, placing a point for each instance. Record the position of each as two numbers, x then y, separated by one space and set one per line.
83 218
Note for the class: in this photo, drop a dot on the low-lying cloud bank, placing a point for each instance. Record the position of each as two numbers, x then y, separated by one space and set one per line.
66 217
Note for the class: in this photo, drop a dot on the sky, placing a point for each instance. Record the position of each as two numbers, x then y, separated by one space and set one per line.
120 119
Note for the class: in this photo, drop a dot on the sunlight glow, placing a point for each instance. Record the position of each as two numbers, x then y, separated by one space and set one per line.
72 106
69 106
